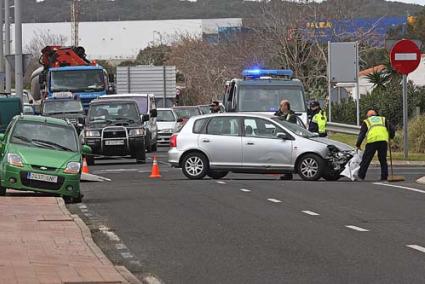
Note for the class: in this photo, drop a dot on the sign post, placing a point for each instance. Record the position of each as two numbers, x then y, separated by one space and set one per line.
405 58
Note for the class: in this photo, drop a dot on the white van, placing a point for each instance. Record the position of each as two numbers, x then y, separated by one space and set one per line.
147 106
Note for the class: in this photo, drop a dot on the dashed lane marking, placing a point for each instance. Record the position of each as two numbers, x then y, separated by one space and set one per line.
311 213
274 200
416 247
127 255
355 228
120 246
221 182
399 186
245 190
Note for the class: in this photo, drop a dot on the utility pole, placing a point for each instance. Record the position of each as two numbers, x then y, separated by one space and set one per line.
75 22
7 45
1 49
19 66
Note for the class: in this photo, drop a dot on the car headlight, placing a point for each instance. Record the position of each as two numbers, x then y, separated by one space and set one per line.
136 132
72 168
92 133
15 160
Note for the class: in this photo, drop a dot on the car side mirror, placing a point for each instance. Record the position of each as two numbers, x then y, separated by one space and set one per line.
154 113
86 150
145 117
283 136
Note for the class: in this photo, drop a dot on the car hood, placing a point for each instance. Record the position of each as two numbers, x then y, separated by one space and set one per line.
341 146
166 125
44 157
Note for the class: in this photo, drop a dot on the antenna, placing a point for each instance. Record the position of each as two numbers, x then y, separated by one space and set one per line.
75 22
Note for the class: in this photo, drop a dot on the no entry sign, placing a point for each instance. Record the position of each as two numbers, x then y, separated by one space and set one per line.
405 56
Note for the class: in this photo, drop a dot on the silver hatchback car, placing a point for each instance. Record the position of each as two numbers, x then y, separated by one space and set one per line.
216 144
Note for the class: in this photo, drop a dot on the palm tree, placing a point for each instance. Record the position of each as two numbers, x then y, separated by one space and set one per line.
379 79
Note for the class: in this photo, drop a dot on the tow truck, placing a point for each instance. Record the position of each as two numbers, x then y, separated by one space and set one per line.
67 69
261 90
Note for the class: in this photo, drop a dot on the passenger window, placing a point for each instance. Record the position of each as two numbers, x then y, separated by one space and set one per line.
228 126
257 127
198 126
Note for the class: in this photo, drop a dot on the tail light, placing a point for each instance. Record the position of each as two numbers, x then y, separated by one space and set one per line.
173 141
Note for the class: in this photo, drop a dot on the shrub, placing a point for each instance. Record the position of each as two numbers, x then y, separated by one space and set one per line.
417 134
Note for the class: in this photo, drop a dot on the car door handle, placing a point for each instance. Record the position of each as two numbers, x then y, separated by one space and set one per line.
250 143
205 140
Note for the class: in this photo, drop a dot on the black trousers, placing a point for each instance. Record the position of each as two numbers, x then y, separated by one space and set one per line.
370 150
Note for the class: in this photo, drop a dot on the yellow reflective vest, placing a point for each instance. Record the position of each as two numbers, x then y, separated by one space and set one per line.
321 120
376 129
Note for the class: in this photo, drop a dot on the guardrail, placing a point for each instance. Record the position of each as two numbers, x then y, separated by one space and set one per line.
343 128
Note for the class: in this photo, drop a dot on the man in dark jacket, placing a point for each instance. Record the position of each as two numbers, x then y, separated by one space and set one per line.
377 131
285 112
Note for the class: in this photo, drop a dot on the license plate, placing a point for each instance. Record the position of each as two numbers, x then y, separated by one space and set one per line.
114 142
42 177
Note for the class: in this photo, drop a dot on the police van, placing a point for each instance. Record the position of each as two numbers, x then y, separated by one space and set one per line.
262 90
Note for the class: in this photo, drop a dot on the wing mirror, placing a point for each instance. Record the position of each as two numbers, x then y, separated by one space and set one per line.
145 117
86 150
283 136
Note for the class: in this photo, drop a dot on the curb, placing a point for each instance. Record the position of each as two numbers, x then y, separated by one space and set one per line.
421 180
87 237
403 163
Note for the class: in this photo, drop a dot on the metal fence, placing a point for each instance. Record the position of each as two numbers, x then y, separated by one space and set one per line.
343 128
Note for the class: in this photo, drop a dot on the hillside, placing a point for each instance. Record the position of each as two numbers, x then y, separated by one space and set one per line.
112 10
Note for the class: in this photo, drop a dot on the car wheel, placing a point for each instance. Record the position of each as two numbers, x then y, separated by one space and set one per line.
331 176
90 160
310 167
2 191
195 166
217 174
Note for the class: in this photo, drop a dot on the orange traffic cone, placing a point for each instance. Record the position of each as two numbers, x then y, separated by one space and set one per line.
85 167
155 169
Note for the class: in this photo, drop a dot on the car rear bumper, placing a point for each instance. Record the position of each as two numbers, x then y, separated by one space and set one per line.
174 156
16 178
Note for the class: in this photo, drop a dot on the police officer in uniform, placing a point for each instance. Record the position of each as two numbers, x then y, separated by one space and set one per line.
318 119
377 131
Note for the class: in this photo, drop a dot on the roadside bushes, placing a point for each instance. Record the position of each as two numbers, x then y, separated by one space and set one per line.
417 134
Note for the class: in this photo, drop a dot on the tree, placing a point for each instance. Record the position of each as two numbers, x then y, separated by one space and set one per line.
153 55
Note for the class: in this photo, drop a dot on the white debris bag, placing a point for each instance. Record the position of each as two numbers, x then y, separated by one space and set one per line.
352 167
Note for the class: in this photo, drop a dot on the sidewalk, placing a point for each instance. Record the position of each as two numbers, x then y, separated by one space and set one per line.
41 242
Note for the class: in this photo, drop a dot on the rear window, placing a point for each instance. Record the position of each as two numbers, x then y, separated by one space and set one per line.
198 126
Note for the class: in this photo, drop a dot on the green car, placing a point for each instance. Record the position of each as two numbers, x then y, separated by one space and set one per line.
41 154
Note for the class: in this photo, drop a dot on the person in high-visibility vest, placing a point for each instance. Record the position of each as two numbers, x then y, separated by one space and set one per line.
377 131
318 119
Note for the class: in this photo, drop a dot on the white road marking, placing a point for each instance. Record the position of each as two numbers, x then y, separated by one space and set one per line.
274 200
356 228
127 255
416 247
399 186
112 236
245 190
310 213
82 206
121 246
221 182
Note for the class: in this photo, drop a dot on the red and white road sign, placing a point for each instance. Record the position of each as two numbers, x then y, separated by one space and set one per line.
405 56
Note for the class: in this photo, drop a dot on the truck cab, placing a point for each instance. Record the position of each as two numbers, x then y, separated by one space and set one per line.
262 90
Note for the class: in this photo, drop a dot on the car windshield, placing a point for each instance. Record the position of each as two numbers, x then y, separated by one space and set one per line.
295 128
77 81
165 116
62 106
267 98
142 102
186 112
114 113
45 135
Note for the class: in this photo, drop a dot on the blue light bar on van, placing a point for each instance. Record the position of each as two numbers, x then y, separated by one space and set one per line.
256 73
